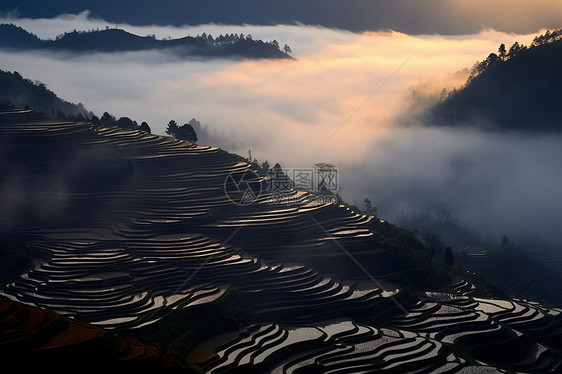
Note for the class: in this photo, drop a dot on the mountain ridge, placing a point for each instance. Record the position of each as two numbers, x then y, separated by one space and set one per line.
508 93
118 40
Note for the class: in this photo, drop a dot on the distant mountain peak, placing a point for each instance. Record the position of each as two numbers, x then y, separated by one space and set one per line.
119 40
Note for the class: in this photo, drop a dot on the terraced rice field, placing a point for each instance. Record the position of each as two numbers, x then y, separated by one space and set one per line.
426 340
134 226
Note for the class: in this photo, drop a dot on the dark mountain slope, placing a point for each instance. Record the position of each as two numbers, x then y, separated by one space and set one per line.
26 93
111 40
521 93
15 37
116 40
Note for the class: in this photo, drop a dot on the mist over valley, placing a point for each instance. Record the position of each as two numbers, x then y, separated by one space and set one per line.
285 111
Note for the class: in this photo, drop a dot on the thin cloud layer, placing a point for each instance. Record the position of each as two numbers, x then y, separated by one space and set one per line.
497 183
343 100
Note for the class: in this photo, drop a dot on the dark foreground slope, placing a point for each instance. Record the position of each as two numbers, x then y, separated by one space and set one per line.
135 233
36 339
23 92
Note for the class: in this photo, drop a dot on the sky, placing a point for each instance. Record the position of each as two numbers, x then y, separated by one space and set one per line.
344 99
453 17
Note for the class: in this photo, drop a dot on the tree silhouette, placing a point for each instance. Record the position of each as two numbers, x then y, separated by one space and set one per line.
144 127
515 49
287 49
126 123
505 242
449 258
172 128
490 61
196 125
433 243
369 208
502 52
107 120
60 115
265 166
548 37
184 132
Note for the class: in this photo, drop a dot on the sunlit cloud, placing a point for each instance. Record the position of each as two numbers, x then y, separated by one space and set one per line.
281 109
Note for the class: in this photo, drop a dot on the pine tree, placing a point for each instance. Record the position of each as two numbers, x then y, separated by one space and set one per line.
502 52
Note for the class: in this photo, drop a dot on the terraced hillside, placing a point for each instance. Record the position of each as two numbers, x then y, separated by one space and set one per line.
135 233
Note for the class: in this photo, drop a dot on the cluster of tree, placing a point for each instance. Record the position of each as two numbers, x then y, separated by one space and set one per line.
434 244
184 132
232 38
224 39
108 120
514 89
495 59
503 54
219 41
118 40
263 168
547 37
62 116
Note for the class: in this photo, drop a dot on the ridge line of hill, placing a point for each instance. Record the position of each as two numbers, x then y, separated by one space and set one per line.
113 40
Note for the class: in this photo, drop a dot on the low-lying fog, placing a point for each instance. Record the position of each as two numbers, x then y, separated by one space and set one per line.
342 100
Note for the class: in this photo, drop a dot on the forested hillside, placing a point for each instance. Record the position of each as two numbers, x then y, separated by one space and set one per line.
24 92
517 88
118 40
